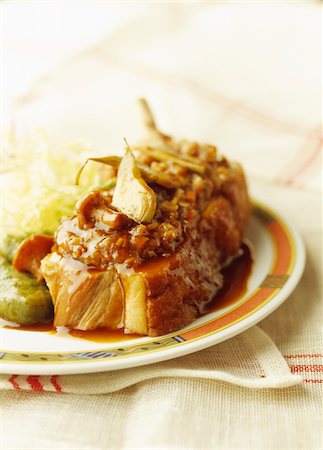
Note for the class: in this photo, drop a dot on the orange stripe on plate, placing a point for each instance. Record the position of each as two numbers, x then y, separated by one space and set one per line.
283 244
233 316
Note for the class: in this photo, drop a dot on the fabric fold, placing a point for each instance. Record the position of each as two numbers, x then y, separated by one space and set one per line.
249 360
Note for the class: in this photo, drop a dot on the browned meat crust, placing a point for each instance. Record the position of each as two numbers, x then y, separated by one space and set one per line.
197 228
178 290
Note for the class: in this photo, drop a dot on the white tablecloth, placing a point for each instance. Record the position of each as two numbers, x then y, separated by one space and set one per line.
242 75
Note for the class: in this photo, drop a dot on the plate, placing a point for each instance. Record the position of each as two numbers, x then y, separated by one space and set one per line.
278 266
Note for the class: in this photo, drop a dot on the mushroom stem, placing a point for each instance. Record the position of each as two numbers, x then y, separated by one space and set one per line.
148 118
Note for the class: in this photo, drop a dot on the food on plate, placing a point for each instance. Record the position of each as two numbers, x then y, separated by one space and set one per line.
144 250
37 187
30 252
23 299
9 246
140 206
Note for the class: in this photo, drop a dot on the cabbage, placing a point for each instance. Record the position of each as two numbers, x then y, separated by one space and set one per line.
38 185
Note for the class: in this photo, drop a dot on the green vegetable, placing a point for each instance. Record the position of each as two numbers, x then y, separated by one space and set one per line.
9 245
22 299
37 185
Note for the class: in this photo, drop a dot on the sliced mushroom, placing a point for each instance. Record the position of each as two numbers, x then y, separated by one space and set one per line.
94 209
30 253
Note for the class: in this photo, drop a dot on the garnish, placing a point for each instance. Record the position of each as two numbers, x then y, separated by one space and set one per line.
106 186
149 175
132 195
23 299
192 164
153 137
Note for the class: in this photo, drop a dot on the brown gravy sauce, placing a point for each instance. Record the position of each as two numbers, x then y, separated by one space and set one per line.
235 280
235 286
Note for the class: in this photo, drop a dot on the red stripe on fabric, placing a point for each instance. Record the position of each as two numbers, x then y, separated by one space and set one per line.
34 383
100 51
305 165
228 104
201 91
54 382
294 164
307 368
312 355
313 381
13 381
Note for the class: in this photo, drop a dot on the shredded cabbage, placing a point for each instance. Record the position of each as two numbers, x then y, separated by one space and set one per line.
37 185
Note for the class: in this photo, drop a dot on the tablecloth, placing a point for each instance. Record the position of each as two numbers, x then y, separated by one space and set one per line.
245 76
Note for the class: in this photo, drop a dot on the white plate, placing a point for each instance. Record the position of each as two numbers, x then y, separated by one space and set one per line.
278 266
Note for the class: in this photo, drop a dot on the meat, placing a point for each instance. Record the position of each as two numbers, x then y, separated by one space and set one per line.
146 254
83 299
178 287
149 293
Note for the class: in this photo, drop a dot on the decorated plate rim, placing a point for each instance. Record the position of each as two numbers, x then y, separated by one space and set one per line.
286 269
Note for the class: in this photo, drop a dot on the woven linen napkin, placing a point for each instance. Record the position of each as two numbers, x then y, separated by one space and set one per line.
250 360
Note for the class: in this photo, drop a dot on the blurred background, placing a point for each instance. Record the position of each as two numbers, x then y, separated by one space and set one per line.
243 75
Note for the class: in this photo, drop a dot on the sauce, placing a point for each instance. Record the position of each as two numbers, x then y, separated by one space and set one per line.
47 326
235 280
103 335
100 335
235 286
